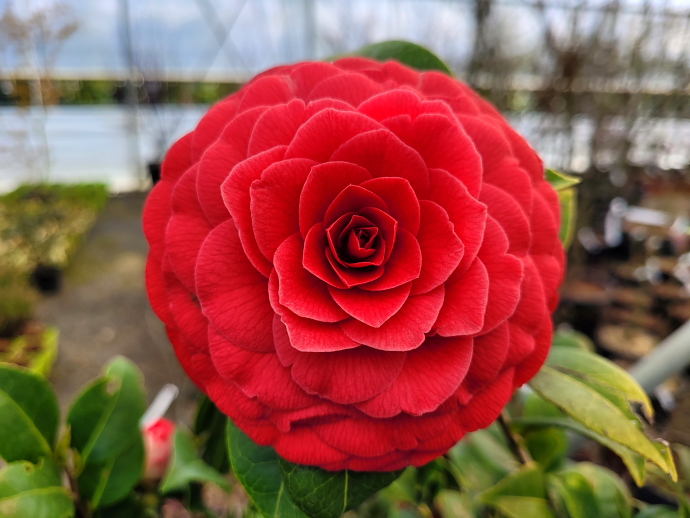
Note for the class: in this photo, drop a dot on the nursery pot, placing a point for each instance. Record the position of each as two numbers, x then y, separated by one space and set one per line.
46 278
154 172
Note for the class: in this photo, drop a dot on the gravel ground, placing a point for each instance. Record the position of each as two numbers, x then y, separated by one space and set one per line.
103 311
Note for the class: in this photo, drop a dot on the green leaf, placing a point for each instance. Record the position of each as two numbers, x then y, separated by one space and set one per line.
130 507
568 201
328 494
528 481
657 511
475 467
597 413
106 484
571 492
34 491
29 414
523 507
405 52
105 417
611 492
547 446
572 339
210 425
634 462
454 504
186 466
561 181
596 369
43 362
257 468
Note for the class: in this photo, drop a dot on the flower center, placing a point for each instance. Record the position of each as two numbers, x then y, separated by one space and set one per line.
355 241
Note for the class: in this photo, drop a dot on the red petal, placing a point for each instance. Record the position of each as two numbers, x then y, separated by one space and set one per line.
324 183
489 140
303 446
351 88
178 159
371 307
277 126
266 91
544 226
391 104
400 198
405 330
258 375
157 212
527 369
465 305
351 277
299 290
212 125
311 336
307 75
444 145
441 248
422 386
403 266
235 192
510 177
505 276
383 154
506 211
284 350
233 144
325 132
531 310
490 351
467 214
155 287
233 295
275 203
486 405
352 199
400 74
186 313
186 230
522 345
315 260
433 83
349 376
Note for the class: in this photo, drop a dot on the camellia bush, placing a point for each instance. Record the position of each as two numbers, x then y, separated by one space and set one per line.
356 262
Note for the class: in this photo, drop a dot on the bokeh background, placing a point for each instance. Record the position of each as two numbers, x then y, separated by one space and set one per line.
96 91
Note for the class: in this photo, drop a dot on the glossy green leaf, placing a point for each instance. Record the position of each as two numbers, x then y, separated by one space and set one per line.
473 469
186 466
611 492
105 484
528 481
105 417
405 52
547 446
257 468
210 425
572 494
635 463
595 368
572 338
560 181
568 201
328 494
657 511
523 507
34 491
29 414
597 413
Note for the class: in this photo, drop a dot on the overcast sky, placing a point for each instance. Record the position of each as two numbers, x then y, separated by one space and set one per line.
175 35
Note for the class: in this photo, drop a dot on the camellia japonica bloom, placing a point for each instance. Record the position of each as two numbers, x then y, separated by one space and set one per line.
356 261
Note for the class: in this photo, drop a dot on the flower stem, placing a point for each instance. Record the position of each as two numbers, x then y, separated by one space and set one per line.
515 441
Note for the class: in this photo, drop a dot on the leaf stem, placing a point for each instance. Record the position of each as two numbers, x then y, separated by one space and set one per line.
82 510
515 441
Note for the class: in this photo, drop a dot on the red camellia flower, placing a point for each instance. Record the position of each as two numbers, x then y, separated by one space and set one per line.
356 261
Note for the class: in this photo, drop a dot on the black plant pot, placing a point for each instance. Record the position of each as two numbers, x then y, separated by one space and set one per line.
47 279
154 172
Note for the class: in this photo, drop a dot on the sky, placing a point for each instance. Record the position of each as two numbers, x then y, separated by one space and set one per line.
181 35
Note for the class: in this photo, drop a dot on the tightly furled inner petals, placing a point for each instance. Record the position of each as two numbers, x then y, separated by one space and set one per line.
358 240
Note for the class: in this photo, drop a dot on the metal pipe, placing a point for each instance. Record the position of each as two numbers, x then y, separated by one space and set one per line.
668 359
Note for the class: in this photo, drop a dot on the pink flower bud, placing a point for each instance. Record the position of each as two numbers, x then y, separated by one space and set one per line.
158 439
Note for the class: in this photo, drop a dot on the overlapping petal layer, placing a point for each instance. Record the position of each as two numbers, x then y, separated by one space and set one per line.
355 261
